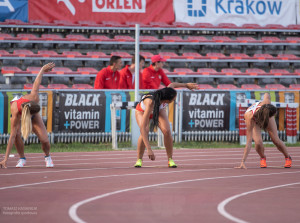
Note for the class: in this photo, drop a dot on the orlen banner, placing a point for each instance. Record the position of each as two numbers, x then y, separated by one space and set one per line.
81 112
206 111
102 10
239 12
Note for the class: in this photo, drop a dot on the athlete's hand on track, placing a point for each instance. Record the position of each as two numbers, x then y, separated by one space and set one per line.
242 166
3 164
151 154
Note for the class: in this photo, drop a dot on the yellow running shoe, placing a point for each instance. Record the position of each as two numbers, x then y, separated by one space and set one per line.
171 163
138 163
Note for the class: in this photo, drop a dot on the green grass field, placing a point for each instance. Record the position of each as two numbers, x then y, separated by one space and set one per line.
89 147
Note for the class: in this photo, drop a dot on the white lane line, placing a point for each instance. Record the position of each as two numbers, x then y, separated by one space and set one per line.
107 176
221 206
73 209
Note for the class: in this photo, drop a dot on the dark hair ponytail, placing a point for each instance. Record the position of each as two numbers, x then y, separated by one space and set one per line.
263 115
157 97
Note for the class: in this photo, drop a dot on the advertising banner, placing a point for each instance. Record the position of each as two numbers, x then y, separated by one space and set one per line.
81 112
121 11
206 111
239 12
14 9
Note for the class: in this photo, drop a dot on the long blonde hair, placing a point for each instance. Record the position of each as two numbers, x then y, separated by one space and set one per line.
29 108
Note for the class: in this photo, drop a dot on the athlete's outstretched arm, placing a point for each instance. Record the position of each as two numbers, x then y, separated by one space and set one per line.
38 79
191 86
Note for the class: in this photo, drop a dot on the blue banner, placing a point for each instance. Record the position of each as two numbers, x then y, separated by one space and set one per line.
14 9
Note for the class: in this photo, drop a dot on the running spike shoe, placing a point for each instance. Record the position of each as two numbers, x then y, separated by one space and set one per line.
21 163
138 163
263 162
288 162
171 163
49 162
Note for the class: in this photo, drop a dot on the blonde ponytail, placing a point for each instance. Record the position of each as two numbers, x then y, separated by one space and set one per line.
26 125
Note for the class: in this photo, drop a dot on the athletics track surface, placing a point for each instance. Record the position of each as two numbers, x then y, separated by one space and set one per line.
104 187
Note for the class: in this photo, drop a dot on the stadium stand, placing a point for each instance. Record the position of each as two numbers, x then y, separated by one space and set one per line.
223 54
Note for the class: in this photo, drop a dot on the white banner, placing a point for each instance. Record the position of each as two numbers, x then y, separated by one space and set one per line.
298 11
239 12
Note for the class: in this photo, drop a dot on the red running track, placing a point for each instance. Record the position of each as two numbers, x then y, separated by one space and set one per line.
104 187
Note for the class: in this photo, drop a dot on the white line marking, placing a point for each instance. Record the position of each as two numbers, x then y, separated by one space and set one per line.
221 206
73 209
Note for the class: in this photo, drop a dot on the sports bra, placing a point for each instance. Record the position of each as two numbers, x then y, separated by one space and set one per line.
254 107
141 106
20 100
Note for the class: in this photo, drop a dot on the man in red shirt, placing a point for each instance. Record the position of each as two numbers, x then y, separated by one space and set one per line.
154 74
127 75
109 77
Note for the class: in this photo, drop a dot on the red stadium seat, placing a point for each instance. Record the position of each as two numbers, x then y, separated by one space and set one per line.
172 39
279 72
263 56
239 56
121 54
112 24
169 55
222 39
204 86
251 26
57 86
7 70
76 37
227 26
271 39
82 86
52 37
100 38
288 57
97 54
33 70
23 53
124 39
5 36
131 24
297 71
293 39
87 70
275 86
183 71
215 55
88 23
29 86
255 71
27 36
182 24
250 86
247 39
231 71
191 55
40 23
47 53
15 22
146 54
207 71
295 86
198 39
274 26
160 24
71 53
4 53
226 86
148 39
297 27
166 71
204 25
63 23
61 70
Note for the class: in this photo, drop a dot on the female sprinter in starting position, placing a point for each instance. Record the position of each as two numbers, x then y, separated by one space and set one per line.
261 116
152 107
26 118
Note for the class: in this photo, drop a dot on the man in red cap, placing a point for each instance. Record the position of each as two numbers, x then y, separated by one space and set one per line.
109 77
154 74
127 79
